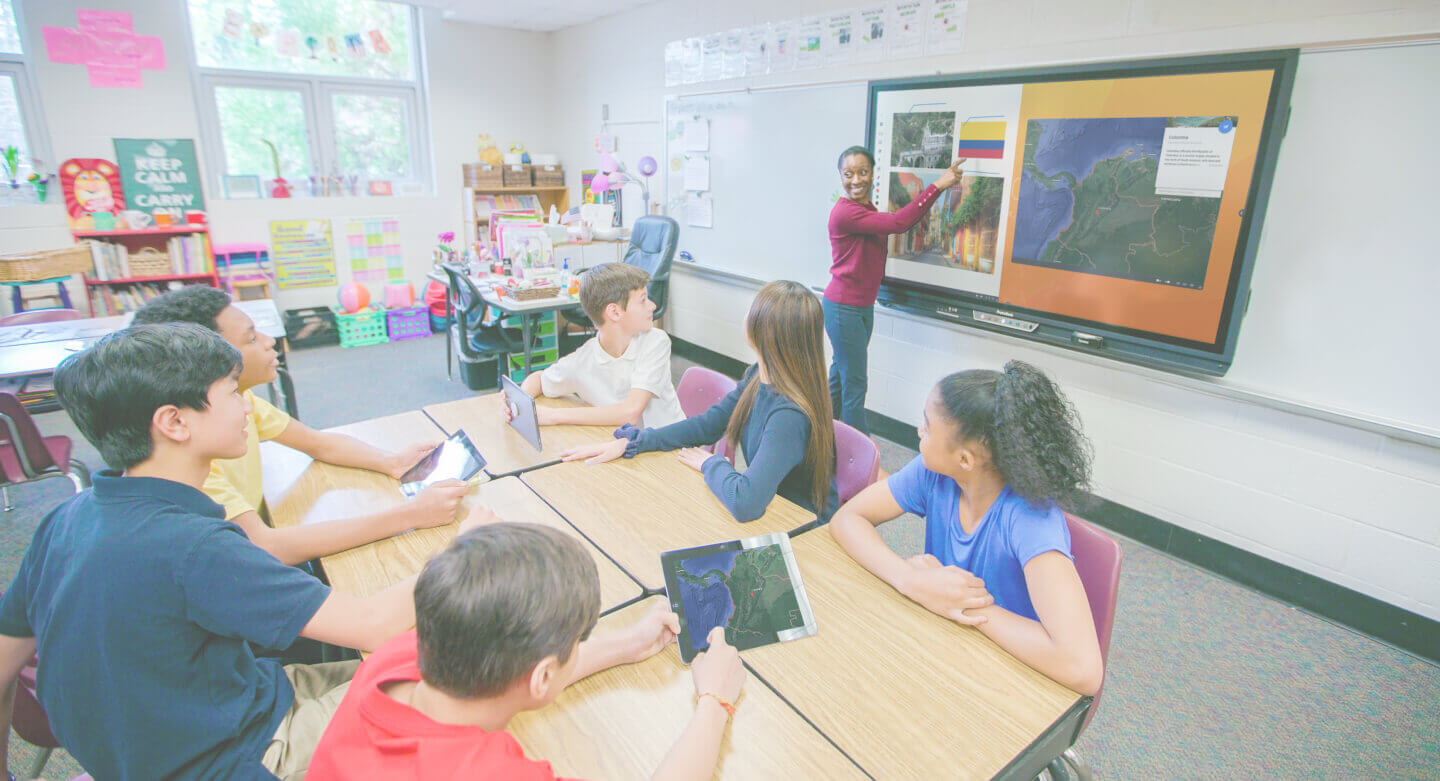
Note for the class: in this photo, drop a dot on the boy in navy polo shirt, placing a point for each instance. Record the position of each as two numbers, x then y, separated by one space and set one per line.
144 602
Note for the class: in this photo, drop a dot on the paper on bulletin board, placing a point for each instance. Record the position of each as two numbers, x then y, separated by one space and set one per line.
692 60
697 173
808 37
906 29
946 30
732 64
373 247
712 56
699 210
870 24
781 43
674 63
303 253
106 44
756 46
697 135
839 43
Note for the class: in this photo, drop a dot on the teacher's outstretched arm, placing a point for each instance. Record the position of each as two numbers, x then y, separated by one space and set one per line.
903 219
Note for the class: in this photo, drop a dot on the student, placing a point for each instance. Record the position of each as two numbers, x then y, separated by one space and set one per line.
623 372
1000 454
502 618
236 483
144 602
857 264
777 421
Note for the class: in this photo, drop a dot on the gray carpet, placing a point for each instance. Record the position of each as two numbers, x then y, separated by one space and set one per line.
1206 679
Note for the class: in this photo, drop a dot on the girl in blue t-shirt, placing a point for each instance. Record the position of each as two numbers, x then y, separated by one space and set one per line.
1000 454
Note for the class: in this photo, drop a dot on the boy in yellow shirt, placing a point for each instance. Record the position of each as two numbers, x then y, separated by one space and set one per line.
236 483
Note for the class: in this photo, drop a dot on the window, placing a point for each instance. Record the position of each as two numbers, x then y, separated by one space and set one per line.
335 85
21 124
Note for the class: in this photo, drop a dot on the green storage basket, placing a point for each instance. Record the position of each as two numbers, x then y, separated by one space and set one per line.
361 328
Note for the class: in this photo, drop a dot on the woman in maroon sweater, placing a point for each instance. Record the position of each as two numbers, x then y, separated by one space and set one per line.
857 249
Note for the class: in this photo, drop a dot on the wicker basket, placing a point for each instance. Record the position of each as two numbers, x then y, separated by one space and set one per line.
45 264
533 293
150 262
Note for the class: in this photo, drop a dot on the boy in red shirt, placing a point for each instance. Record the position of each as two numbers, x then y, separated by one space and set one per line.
500 619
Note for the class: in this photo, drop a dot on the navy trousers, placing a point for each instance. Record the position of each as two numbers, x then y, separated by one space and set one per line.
849 329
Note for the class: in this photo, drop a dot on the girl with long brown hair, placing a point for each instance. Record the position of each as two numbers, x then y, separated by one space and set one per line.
777 420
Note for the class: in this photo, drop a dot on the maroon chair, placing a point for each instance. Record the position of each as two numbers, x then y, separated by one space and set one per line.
698 391
29 721
26 454
1097 559
50 315
857 461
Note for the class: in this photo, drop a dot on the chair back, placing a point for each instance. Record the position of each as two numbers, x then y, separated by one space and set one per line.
700 388
51 315
18 429
1097 559
857 461
29 719
652 247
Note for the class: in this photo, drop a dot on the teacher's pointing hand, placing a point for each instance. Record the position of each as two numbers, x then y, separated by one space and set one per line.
951 176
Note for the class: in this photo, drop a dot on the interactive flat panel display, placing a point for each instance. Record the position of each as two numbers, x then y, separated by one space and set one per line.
1112 208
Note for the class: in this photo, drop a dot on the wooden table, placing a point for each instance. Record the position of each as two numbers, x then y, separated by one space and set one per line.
921 696
621 722
322 492
505 451
637 508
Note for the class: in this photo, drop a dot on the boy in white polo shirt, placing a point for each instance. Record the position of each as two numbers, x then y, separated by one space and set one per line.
623 372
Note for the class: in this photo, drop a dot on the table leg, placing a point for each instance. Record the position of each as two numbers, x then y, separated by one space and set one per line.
17 301
526 335
64 294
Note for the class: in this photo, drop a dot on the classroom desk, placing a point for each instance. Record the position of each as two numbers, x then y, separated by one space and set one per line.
620 723
528 311
637 508
37 348
922 696
505 451
321 492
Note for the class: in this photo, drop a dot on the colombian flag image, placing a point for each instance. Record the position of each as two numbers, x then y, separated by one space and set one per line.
984 140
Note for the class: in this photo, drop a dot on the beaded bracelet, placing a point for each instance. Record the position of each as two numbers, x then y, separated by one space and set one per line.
729 708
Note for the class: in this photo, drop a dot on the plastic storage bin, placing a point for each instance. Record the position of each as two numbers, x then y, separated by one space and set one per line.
312 326
361 328
411 322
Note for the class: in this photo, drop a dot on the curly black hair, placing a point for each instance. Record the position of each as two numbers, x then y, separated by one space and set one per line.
197 304
1030 428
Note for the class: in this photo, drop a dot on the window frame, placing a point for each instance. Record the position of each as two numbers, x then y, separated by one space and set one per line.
27 96
316 93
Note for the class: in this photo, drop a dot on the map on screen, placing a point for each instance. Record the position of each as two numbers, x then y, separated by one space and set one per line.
750 587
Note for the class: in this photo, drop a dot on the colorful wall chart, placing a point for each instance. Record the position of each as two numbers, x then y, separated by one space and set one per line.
373 247
303 253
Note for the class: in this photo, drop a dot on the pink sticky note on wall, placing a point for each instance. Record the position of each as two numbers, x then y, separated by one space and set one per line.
106 76
95 20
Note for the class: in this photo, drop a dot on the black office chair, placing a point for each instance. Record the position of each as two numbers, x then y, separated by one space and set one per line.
478 343
652 247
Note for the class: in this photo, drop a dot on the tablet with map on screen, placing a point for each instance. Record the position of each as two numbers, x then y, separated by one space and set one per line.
751 587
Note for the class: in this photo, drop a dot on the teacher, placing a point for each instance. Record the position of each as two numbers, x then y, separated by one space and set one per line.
857 264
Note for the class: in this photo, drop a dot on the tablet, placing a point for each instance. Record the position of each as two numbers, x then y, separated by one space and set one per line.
751 587
522 411
456 458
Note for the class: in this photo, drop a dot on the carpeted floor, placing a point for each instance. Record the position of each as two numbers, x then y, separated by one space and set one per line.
1206 679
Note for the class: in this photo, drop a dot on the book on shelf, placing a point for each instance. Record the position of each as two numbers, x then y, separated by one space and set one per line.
127 297
188 255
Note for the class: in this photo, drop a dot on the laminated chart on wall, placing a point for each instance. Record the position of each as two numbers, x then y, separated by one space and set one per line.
303 253
372 244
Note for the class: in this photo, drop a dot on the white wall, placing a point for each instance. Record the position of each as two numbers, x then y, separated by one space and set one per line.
464 101
1355 507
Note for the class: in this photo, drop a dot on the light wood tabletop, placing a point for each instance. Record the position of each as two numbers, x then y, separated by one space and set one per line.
482 418
637 508
620 723
306 492
920 693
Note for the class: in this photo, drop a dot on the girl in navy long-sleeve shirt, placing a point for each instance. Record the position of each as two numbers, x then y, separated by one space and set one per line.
778 419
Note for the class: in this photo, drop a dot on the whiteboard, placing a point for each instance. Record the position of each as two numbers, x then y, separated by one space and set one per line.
1344 314
772 177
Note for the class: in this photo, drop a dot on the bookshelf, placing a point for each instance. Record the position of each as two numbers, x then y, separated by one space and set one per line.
134 266
548 195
